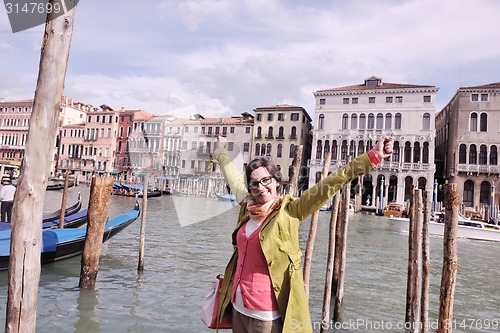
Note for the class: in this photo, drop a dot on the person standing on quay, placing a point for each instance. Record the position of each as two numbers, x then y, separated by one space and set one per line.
7 199
263 287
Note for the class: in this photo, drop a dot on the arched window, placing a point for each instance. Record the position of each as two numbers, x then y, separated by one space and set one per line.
483 155
425 153
334 150
292 151
352 150
397 121
493 155
395 152
422 183
416 152
327 148
371 121
485 193
343 151
462 154
388 121
270 132
269 148
473 122
426 122
473 155
483 122
362 121
263 150
407 156
281 132
319 150
259 132
279 150
345 121
361 147
408 187
380 121
257 149
293 132
354 121
468 199
321 121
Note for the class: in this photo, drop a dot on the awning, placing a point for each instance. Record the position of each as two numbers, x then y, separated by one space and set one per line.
115 172
100 171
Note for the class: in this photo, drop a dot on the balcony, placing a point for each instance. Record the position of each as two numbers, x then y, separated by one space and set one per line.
89 157
473 168
269 137
258 137
293 137
280 137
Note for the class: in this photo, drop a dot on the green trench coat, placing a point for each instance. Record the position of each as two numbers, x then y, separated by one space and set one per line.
279 239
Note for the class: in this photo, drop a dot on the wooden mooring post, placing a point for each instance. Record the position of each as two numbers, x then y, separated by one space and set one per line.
426 263
340 253
100 193
26 240
413 287
63 201
450 261
292 190
311 238
140 265
329 265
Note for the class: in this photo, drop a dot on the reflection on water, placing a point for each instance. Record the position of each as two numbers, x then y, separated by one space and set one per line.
87 321
180 262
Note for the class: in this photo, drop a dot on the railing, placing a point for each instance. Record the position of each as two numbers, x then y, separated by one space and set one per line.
494 169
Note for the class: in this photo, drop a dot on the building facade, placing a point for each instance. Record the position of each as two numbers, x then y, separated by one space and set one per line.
278 131
467 143
351 119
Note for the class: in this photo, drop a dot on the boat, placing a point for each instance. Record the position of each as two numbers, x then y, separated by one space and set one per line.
59 244
59 186
467 229
225 197
395 210
134 190
68 211
75 220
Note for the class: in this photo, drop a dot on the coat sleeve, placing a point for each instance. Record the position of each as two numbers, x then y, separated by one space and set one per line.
315 197
233 177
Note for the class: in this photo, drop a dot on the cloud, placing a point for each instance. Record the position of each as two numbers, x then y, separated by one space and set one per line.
230 56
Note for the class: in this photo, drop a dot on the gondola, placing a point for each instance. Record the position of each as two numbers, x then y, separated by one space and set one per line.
58 186
67 212
133 190
71 221
59 244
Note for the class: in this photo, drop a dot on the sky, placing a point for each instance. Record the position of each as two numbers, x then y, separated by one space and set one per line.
220 58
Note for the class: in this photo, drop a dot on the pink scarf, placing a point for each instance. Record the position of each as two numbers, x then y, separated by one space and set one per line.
259 212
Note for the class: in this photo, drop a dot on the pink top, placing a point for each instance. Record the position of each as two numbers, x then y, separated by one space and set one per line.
252 274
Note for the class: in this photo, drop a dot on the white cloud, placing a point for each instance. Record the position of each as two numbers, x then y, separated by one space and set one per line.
230 56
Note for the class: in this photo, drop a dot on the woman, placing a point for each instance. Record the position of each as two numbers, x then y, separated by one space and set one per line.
263 281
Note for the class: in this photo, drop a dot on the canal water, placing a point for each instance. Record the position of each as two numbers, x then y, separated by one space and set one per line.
180 263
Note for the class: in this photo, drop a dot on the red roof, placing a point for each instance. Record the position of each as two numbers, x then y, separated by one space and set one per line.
495 85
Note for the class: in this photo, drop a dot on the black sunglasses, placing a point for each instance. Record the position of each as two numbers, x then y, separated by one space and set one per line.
254 184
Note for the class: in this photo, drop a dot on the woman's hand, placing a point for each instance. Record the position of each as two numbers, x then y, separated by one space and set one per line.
221 141
383 147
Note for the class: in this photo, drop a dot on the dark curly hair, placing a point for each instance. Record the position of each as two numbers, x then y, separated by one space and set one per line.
265 163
